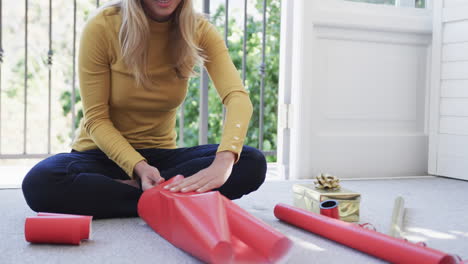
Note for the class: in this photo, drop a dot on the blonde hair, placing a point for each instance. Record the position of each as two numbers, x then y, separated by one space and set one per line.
135 33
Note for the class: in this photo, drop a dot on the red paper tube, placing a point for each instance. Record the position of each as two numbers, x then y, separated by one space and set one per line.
52 229
330 208
371 242
85 227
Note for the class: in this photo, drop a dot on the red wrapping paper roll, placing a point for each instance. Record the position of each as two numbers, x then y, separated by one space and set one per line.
57 228
85 226
52 229
371 242
210 226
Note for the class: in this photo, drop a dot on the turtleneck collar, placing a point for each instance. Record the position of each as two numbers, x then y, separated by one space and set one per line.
156 26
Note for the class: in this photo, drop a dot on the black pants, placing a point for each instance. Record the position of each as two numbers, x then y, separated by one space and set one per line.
84 182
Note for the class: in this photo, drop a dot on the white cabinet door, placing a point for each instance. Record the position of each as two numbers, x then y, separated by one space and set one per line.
448 134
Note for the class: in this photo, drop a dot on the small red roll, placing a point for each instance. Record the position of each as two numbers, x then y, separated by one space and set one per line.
85 221
330 208
57 228
52 229
371 242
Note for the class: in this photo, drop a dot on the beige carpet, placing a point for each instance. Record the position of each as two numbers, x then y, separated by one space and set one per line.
437 214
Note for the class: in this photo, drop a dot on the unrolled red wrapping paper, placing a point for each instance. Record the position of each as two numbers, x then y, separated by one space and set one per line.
57 228
371 242
210 227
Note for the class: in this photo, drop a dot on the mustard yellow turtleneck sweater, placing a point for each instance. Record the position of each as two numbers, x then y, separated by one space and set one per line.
120 117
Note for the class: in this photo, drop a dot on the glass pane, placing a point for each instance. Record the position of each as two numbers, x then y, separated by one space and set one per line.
385 2
404 3
421 3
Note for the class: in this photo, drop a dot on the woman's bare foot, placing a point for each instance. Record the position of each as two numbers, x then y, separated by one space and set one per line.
133 183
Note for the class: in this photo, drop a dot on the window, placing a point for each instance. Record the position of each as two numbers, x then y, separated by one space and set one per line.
403 3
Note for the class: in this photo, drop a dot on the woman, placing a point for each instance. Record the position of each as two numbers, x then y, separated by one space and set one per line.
134 62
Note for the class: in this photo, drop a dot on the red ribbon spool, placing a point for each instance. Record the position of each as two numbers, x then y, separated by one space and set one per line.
330 208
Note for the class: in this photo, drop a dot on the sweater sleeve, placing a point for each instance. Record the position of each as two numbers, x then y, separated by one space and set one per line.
94 77
228 84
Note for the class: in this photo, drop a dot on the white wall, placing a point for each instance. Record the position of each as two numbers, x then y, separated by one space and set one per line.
358 89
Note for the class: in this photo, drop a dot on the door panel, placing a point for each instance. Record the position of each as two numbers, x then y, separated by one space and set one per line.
448 140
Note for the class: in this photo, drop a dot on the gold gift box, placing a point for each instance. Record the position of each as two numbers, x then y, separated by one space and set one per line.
307 197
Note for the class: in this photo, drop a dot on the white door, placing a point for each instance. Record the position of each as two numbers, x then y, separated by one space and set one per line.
359 85
448 137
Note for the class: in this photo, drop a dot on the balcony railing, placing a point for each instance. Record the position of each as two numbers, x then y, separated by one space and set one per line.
28 115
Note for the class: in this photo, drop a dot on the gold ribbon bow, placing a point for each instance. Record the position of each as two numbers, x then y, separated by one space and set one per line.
327 181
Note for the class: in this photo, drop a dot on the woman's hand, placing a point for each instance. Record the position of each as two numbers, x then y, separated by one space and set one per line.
148 174
209 178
